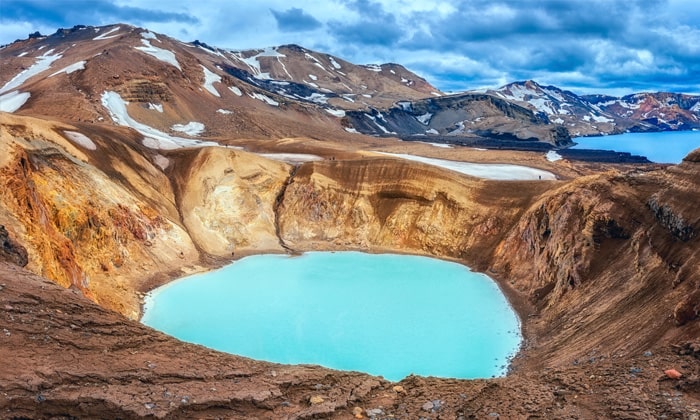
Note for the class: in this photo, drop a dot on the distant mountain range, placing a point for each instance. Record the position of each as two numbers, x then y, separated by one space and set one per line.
290 91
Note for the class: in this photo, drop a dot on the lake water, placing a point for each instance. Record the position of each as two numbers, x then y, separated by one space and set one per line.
388 315
663 147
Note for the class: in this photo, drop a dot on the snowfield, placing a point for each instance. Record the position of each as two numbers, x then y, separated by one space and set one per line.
104 35
156 107
191 129
209 79
11 102
165 56
291 157
153 138
42 64
494 171
80 65
553 156
264 98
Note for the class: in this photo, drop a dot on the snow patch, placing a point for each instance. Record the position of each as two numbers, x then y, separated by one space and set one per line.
22 54
11 102
104 35
334 63
41 64
81 139
696 107
166 56
351 130
153 138
313 77
193 128
336 112
602 119
558 121
209 79
235 90
156 107
431 131
224 111
264 98
291 157
405 105
373 67
425 118
149 35
501 172
553 156
440 145
543 105
80 65
253 62
519 92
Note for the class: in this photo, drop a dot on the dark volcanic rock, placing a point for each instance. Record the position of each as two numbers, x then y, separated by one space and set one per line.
450 119
10 250
672 221
606 156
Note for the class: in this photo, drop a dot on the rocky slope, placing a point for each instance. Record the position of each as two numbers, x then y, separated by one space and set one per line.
467 119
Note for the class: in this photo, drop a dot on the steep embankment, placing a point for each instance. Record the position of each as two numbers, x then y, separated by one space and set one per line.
402 206
98 231
604 252
227 198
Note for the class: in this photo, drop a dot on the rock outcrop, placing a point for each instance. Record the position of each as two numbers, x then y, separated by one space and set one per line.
460 119
10 250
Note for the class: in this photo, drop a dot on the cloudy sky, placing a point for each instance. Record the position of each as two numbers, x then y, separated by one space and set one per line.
587 46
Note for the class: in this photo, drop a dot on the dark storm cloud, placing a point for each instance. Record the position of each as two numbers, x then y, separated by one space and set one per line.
376 27
295 20
72 12
455 44
612 44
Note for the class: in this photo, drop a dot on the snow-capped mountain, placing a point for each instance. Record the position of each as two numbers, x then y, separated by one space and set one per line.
120 74
662 110
601 114
177 94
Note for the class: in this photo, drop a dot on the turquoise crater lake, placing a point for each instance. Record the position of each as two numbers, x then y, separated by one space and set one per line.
388 315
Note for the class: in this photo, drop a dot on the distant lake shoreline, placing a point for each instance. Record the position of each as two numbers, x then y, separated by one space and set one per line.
659 147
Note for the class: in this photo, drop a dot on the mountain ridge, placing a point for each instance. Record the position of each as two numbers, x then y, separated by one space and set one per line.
261 93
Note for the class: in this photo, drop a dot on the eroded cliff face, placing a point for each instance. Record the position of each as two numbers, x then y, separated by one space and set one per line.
228 199
81 227
397 205
601 253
